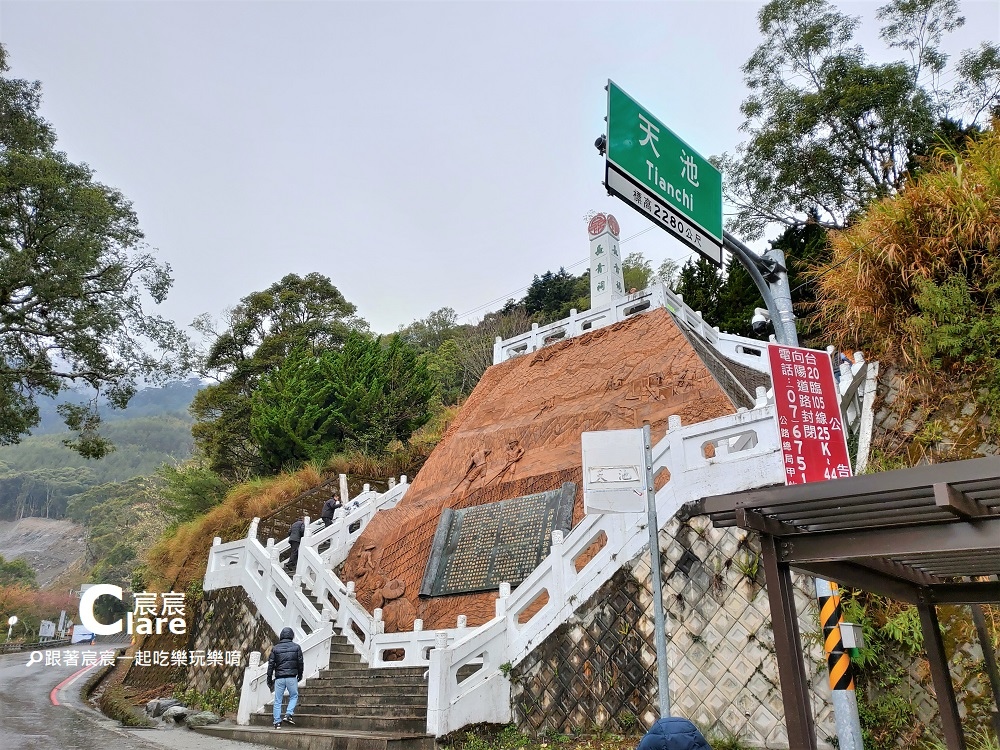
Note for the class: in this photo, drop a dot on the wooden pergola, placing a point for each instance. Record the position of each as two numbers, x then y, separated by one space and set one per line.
927 536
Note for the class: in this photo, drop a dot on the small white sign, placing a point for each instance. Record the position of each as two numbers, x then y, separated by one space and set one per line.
81 634
47 629
614 471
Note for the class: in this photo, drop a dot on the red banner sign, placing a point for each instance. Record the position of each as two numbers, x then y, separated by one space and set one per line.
807 409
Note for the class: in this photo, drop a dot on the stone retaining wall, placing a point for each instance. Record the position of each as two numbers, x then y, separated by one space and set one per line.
598 671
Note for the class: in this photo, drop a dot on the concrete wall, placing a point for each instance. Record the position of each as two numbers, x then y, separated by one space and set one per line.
598 671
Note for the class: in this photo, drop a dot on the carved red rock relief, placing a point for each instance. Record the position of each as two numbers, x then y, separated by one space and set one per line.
519 433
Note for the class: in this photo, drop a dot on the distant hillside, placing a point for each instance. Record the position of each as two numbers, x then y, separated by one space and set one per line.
173 399
39 475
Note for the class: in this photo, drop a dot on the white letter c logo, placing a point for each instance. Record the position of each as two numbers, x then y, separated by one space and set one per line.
87 608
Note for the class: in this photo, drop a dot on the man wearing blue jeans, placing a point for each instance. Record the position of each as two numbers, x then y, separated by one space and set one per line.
284 670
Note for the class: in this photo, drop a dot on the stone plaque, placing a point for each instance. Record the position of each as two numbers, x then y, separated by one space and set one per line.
478 548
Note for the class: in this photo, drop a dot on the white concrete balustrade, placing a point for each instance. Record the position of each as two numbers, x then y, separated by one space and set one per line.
468 667
655 296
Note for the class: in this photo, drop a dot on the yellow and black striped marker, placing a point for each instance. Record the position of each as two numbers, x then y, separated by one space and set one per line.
837 659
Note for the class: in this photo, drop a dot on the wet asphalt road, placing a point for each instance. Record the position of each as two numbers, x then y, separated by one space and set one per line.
30 721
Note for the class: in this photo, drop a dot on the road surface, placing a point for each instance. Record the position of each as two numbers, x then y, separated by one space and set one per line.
41 709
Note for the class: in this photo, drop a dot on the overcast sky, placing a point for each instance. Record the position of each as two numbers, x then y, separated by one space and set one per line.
420 154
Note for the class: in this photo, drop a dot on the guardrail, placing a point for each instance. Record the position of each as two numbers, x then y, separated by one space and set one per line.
651 298
468 667
14 647
280 599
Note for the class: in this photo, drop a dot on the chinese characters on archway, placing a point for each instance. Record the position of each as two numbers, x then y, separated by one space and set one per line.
807 409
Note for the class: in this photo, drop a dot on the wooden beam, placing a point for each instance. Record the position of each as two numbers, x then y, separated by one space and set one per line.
954 501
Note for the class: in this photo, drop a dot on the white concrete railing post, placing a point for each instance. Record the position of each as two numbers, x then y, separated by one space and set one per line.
438 692
557 592
251 677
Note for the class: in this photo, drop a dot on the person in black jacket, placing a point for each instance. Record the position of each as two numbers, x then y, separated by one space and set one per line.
284 670
329 508
295 534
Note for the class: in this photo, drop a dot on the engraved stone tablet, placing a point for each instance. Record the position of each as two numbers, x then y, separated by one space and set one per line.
478 548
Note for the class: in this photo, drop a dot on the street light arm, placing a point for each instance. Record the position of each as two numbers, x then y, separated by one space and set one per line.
752 263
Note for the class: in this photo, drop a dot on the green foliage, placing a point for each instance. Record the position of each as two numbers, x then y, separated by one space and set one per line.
74 278
445 366
886 711
14 572
749 564
728 298
297 313
190 490
432 332
904 629
725 740
700 282
637 271
115 704
978 739
221 702
885 714
123 520
39 478
365 395
435 338
957 326
914 281
829 131
475 342
551 295
489 738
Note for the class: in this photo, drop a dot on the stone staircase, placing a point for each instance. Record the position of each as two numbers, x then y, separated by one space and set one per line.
347 707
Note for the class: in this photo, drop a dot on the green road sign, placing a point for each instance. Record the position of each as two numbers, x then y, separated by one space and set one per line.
671 183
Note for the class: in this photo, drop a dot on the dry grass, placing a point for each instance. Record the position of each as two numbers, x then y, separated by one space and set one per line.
180 558
401 458
946 223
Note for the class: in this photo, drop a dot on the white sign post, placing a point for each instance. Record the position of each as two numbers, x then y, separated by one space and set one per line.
618 478
12 621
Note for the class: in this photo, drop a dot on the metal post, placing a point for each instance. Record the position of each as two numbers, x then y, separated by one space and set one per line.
774 289
841 674
990 659
951 722
778 298
792 673
659 617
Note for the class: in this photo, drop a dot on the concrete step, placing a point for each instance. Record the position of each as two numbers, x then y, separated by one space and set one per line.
364 691
360 671
349 699
362 685
301 738
343 648
341 705
348 711
407 726
344 657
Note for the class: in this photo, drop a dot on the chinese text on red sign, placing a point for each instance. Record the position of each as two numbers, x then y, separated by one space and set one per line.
807 408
